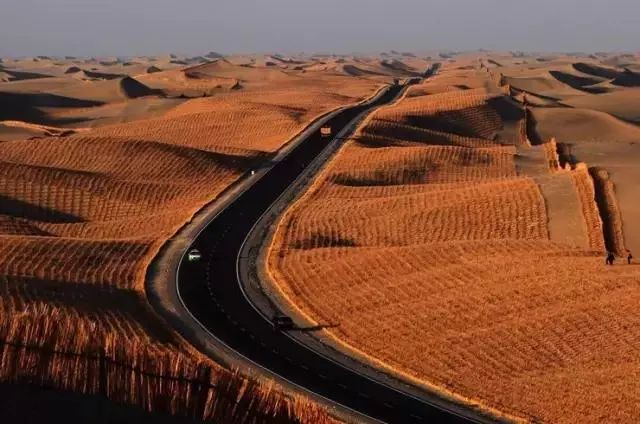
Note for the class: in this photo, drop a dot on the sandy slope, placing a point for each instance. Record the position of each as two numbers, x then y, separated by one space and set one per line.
624 104
82 215
434 254
581 125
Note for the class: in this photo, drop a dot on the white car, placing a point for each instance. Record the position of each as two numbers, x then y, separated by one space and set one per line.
194 255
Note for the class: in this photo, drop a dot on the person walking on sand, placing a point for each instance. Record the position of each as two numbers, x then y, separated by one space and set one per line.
629 257
610 258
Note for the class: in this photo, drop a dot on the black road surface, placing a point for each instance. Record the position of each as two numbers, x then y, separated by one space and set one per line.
211 291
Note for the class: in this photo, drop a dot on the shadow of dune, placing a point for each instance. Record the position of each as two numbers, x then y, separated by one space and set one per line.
579 83
350 181
392 134
20 209
133 89
532 132
446 122
28 404
103 75
626 78
399 67
201 159
90 300
374 141
473 122
47 100
356 71
24 107
598 71
73 70
10 225
21 75
318 240
508 111
406 176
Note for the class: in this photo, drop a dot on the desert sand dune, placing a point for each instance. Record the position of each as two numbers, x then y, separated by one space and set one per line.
451 81
153 69
11 75
442 257
133 88
40 85
579 82
105 91
624 104
544 85
93 75
468 113
437 256
225 69
357 71
26 107
73 70
620 161
625 78
397 65
573 125
599 71
533 99
368 67
118 112
601 133
621 61
20 130
82 215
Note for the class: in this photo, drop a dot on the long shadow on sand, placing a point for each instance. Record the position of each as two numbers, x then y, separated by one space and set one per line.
579 83
89 300
18 208
25 107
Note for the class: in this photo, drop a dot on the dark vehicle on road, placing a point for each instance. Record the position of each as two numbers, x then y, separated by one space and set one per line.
282 323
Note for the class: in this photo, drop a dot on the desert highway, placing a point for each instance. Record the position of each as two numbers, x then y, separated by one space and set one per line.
211 291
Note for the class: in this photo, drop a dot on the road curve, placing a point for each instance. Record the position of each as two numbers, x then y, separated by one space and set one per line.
212 294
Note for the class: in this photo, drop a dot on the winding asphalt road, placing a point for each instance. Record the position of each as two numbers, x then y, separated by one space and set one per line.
211 291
